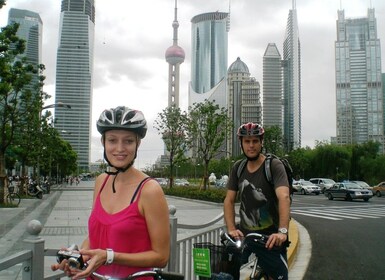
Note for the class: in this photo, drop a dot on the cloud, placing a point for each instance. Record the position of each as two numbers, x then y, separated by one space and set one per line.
131 38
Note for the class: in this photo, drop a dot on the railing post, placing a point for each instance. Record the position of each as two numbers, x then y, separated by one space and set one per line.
34 268
172 264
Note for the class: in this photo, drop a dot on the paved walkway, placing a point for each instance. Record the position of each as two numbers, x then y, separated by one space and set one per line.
64 215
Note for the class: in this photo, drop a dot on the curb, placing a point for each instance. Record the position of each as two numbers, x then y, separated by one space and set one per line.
294 242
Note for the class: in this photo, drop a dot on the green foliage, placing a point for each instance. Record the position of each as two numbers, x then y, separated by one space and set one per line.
213 195
171 124
272 140
208 127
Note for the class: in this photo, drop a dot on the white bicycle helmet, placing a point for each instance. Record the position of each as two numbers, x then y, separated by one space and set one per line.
122 118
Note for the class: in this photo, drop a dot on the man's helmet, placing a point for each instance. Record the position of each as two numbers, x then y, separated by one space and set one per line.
122 118
250 129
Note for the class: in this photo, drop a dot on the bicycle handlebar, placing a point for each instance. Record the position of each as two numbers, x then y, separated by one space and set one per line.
156 274
258 238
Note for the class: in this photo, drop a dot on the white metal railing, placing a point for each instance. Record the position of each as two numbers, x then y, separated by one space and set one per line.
181 257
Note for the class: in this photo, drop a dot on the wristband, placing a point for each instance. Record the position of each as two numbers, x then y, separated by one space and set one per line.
110 256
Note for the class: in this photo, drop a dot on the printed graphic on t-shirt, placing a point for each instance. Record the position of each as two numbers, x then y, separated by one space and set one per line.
253 210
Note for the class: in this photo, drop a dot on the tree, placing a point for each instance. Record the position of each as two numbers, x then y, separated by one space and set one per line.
16 76
171 124
208 128
272 140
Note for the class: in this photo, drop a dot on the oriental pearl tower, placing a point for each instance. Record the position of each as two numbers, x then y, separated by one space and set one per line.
174 56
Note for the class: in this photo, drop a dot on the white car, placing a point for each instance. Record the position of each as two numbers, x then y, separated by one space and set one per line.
306 187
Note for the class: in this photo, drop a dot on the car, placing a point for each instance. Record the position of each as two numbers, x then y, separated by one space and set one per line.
181 183
163 182
348 191
323 183
379 190
306 187
221 183
363 184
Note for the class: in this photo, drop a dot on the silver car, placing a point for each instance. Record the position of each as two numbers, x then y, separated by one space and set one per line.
306 187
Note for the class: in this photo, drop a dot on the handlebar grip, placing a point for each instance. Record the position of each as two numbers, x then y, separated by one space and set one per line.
170 275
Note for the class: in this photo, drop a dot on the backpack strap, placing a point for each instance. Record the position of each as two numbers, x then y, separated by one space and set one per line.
268 174
241 166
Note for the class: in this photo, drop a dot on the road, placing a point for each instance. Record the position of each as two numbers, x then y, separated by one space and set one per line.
348 238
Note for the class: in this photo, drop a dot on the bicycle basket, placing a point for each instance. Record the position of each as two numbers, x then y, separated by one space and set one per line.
11 189
223 264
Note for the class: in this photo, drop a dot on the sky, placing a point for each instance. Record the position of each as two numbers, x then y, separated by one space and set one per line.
131 38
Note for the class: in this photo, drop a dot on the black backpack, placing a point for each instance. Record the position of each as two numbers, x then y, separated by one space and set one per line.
269 175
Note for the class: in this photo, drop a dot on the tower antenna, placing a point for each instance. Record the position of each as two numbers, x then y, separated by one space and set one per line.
228 18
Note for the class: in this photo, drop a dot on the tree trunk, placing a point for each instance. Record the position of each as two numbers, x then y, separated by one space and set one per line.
3 176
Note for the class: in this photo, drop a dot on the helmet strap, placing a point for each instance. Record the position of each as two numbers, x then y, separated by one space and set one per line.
118 170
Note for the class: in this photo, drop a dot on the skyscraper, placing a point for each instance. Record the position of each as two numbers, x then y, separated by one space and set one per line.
359 95
209 58
74 69
30 29
244 101
292 83
272 87
174 56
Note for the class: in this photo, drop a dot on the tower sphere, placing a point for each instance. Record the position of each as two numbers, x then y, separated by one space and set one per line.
174 55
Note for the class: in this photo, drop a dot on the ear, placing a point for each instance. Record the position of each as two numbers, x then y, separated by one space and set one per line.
139 141
102 140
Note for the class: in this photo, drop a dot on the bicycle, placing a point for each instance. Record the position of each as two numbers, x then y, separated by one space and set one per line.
156 274
12 198
257 272
75 260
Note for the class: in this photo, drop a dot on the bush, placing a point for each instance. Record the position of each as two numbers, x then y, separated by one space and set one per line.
212 194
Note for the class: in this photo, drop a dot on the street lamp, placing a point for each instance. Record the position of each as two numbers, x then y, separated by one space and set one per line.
56 105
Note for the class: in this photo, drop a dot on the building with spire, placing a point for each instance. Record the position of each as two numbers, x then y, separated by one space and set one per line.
209 51
74 74
272 87
244 97
292 83
359 87
174 56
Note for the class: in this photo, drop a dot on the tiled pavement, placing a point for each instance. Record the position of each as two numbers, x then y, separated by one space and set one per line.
64 214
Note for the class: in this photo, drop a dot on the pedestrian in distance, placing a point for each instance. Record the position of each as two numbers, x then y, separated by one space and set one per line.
128 229
264 207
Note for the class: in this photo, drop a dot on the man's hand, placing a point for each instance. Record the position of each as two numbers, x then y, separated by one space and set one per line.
276 239
236 234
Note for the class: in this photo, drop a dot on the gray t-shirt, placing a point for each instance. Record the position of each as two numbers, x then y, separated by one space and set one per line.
259 207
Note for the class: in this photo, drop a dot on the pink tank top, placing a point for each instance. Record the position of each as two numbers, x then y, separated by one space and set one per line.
125 231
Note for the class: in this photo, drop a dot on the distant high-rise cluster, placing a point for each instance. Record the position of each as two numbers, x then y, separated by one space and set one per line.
244 101
359 88
74 74
282 85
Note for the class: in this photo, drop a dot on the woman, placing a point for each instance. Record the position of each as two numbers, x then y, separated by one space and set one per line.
128 230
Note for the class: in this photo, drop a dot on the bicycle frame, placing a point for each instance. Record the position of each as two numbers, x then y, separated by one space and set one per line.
257 272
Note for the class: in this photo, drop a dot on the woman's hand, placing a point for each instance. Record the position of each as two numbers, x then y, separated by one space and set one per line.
96 258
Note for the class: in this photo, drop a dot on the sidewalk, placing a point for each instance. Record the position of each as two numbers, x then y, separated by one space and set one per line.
64 214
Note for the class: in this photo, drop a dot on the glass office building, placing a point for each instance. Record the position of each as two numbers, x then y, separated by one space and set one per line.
209 50
74 69
272 87
30 30
359 95
292 84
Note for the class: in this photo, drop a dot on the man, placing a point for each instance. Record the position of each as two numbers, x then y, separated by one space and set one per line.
265 208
